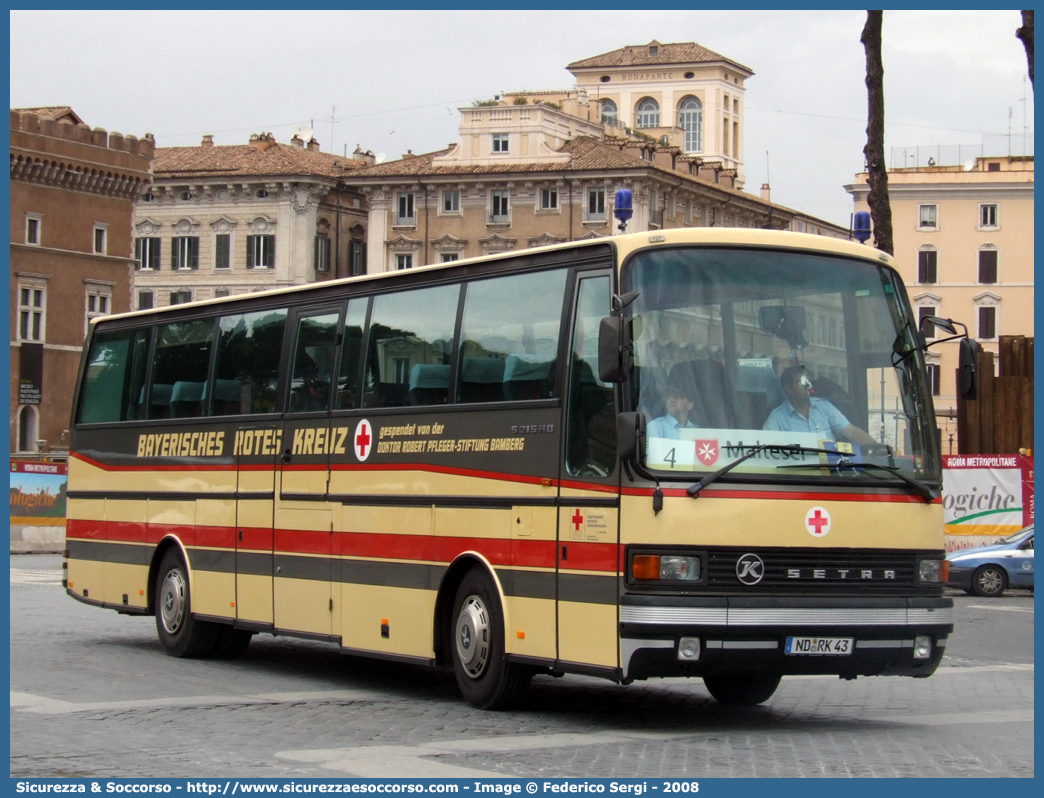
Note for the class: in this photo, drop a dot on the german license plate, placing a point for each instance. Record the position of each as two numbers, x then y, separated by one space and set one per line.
819 646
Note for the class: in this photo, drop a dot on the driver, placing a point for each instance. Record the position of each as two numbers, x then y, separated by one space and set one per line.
802 412
680 392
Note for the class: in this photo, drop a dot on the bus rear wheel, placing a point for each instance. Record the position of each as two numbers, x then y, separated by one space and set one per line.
180 633
485 677
742 689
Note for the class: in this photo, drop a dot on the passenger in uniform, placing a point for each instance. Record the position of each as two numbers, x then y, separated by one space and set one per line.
679 399
803 412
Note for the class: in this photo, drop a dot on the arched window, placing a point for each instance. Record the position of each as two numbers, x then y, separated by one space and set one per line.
648 113
690 118
610 115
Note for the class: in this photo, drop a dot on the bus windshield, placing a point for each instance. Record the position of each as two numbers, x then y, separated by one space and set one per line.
741 348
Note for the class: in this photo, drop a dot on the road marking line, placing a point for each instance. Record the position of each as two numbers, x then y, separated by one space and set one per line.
41 705
1002 609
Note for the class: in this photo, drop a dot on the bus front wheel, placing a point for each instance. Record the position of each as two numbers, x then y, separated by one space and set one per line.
485 678
742 689
180 633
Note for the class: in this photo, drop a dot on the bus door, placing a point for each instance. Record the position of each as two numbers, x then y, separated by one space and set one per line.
303 594
588 514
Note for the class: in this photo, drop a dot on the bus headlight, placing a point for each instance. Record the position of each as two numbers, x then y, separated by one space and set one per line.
933 571
922 647
665 568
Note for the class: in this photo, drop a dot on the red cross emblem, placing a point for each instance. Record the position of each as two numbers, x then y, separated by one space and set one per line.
817 522
577 519
707 451
363 439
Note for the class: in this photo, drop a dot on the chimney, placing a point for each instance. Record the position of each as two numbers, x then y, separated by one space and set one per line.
408 154
297 141
366 156
208 140
766 192
313 144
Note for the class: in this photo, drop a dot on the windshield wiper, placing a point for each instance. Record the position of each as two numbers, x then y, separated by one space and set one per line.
926 492
791 448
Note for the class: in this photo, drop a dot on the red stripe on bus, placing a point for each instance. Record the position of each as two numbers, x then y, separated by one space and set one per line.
580 556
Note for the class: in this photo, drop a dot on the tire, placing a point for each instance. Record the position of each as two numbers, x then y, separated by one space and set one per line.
989 581
742 689
232 643
485 678
180 633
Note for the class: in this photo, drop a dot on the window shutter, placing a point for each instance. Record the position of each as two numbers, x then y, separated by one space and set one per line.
988 266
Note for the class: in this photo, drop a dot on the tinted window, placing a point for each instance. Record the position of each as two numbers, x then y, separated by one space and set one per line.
114 380
248 362
509 338
313 362
410 344
351 354
179 369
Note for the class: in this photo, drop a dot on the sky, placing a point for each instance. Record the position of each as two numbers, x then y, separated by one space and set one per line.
393 81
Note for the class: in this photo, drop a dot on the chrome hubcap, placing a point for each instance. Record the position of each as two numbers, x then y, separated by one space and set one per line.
472 638
989 581
172 601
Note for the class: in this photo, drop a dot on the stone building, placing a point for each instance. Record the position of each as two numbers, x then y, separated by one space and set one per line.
963 236
72 197
225 220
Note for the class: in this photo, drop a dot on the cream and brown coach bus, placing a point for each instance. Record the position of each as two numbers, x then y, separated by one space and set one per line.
584 458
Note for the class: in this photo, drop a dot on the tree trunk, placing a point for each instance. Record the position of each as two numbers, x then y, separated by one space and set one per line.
877 171
1026 34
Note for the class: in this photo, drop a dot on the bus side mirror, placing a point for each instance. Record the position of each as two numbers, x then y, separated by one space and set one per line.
630 436
614 351
967 377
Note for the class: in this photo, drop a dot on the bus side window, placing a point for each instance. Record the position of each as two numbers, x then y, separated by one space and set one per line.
406 330
181 360
591 415
509 337
247 372
313 362
114 381
351 353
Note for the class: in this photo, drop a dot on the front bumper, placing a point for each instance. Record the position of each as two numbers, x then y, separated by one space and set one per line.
750 634
960 577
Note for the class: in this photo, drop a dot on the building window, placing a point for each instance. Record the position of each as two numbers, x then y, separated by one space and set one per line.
147 253
934 377
32 301
261 252
28 428
322 253
145 300
498 206
32 229
404 261
500 142
988 216
449 257
987 265
99 303
180 297
595 206
101 232
928 217
357 257
648 113
926 310
221 293
987 323
404 214
927 266
223 251
690 119
549 199
185 252
451 201
610 114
